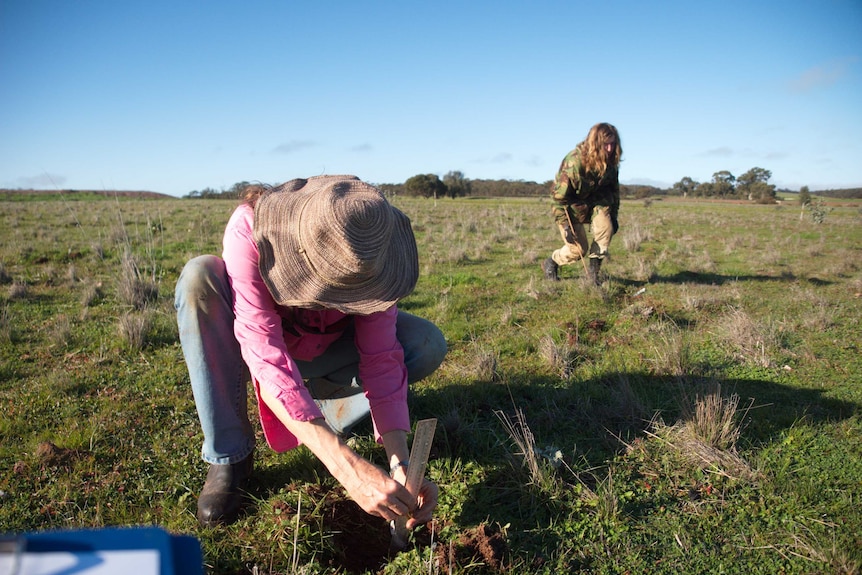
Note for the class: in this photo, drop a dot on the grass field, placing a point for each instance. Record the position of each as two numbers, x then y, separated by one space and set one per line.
698 412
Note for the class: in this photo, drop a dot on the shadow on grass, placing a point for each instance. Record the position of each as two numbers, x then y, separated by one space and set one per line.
589 423
706 278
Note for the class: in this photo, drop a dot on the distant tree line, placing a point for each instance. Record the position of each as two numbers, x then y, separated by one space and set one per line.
232 193
752 186
844 194
455 185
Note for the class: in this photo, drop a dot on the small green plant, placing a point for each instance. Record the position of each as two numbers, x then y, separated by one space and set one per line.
819 210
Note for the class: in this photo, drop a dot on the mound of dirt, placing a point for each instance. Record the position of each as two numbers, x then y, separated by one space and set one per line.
49 455
483 544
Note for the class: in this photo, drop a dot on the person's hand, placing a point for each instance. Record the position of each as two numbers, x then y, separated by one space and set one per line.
615 223
427 502
377 494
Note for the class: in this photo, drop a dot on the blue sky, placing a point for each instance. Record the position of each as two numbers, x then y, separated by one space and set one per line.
178 96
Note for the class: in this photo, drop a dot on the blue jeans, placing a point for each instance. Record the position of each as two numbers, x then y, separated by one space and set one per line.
219 376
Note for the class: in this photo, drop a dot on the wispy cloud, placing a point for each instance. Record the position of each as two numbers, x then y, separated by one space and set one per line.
821 76
722 152
361 148
535 161
293 146
501 158
728 152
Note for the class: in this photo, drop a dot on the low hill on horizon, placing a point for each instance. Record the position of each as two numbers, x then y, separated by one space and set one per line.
81 193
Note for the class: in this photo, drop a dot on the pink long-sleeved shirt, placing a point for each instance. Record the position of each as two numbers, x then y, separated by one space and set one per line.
269 349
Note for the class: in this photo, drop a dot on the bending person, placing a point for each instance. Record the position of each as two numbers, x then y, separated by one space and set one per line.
586 191
305 296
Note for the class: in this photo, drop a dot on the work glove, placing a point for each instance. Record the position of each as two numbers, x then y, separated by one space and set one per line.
615 224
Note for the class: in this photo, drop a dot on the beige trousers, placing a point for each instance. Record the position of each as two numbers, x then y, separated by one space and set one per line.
575 241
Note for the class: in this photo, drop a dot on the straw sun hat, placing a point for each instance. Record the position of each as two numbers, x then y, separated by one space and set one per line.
334 242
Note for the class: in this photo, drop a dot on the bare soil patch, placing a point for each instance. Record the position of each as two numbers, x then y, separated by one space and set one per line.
482 544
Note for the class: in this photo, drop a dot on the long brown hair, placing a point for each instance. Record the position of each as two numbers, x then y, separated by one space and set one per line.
252 192
593 154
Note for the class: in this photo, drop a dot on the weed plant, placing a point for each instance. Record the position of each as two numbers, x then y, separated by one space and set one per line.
697 412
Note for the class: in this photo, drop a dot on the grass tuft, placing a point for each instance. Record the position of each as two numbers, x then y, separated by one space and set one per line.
751 341
134 327
133 288
707 433
6 325
18 291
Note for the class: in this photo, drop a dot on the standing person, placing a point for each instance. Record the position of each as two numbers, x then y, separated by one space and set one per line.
586 190
307 289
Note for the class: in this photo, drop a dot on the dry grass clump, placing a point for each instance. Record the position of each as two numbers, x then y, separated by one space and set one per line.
643 269
707 434
483 365
560 356
673 355
72 274
704 297
486 365
733 243
6 324
750 341
91 293
818 314
60 333
528 453
540 288
133 288
98 250
521 435
529 257
133 329
844 263
5 278
705 263
18 290
634 235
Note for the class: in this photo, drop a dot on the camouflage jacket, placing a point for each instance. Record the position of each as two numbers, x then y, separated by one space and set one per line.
573 185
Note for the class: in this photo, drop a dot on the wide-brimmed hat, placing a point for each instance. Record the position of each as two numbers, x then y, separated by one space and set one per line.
334 242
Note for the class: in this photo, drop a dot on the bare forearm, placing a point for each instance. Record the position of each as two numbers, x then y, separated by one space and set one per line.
316 435
367 484
397 452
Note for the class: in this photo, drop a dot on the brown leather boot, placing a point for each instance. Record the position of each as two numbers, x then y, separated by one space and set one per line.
221 498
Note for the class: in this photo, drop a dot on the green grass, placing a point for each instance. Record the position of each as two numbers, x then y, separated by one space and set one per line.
709 423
